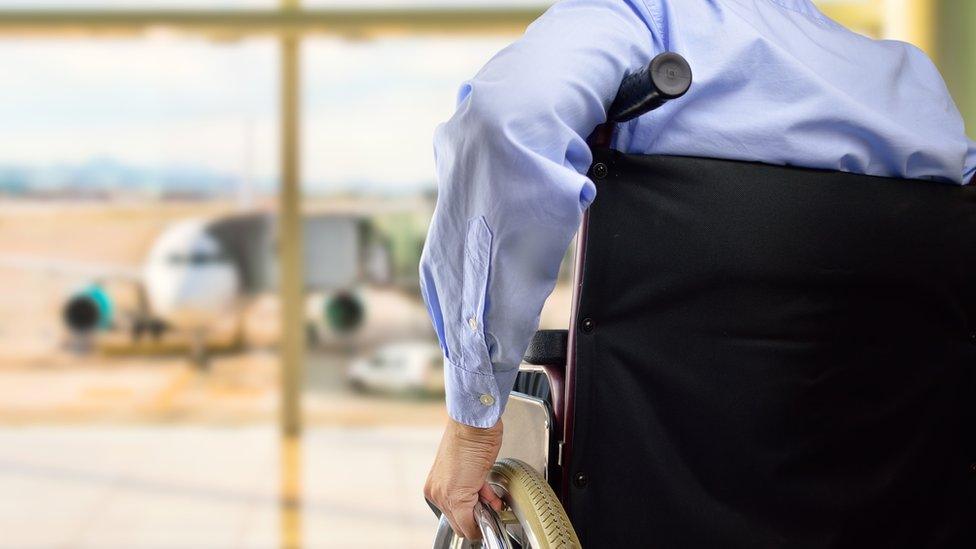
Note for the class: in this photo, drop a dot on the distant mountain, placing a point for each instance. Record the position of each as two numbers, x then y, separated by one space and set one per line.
108 177
13 181
366 187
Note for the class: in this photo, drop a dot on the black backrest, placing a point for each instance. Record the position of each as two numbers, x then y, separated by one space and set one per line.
774 357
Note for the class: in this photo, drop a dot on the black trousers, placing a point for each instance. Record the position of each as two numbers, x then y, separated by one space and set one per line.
775 357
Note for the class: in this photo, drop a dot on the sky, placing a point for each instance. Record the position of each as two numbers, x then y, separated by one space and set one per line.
165 101
370 107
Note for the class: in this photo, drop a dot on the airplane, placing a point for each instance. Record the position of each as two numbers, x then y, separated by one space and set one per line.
201 270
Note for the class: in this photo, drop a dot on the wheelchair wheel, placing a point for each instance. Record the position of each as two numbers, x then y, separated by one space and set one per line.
542 521
534 518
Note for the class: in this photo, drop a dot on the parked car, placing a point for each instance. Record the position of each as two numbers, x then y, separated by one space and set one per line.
411 367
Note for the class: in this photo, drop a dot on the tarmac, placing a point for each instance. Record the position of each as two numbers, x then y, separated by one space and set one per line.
156 453
214 487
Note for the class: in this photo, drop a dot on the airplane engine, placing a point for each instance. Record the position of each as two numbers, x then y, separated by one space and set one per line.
88 310
344 313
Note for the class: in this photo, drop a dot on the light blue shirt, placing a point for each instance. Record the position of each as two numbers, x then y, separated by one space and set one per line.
775 81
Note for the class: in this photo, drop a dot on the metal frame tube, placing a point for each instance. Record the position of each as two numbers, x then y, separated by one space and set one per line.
289 19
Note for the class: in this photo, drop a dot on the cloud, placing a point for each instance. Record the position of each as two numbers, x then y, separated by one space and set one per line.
162 101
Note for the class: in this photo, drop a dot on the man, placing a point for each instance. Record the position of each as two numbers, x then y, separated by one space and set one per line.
775 81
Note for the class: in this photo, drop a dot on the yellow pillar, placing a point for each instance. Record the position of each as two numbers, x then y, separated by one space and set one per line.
912 21
290 236
292 291
956 44
290 503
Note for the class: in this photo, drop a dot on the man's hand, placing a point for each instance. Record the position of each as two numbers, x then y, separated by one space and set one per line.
457 477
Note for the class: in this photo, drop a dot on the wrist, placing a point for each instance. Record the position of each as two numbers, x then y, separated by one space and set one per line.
467 432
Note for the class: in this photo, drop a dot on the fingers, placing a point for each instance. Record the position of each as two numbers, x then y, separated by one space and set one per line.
453 524
490 497
464 519
459 513
457 477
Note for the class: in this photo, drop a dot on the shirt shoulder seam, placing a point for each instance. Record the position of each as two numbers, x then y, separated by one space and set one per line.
656 18
817 17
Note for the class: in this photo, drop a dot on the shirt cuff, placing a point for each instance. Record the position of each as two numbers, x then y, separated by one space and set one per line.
477 399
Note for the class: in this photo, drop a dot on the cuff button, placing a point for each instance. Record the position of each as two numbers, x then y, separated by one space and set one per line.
487 400
473 324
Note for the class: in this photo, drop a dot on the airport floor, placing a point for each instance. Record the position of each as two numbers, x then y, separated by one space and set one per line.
214 487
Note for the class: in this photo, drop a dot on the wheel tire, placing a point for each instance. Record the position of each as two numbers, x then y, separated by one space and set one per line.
536 506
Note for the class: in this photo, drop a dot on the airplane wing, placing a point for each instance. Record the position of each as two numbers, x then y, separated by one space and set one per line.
80 269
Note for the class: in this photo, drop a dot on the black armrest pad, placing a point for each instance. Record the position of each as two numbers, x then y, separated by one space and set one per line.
547 348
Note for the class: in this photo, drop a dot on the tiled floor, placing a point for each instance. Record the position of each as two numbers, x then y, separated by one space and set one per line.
200 487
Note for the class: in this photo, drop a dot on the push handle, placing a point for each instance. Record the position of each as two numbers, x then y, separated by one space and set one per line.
547 348
666 77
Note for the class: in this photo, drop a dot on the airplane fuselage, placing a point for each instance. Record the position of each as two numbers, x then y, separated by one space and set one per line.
190 282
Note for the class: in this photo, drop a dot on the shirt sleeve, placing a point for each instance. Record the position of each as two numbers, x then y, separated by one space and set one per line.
511 188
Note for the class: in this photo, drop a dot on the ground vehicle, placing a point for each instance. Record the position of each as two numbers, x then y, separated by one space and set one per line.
414 367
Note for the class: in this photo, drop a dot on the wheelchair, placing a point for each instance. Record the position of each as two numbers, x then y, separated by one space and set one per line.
758 356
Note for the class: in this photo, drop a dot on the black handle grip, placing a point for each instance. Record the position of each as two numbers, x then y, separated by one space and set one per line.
547 348
666 77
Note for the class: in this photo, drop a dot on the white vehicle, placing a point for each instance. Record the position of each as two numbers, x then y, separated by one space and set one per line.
414 367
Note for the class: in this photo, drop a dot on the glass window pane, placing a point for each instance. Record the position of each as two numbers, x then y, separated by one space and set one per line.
371 108
167 115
